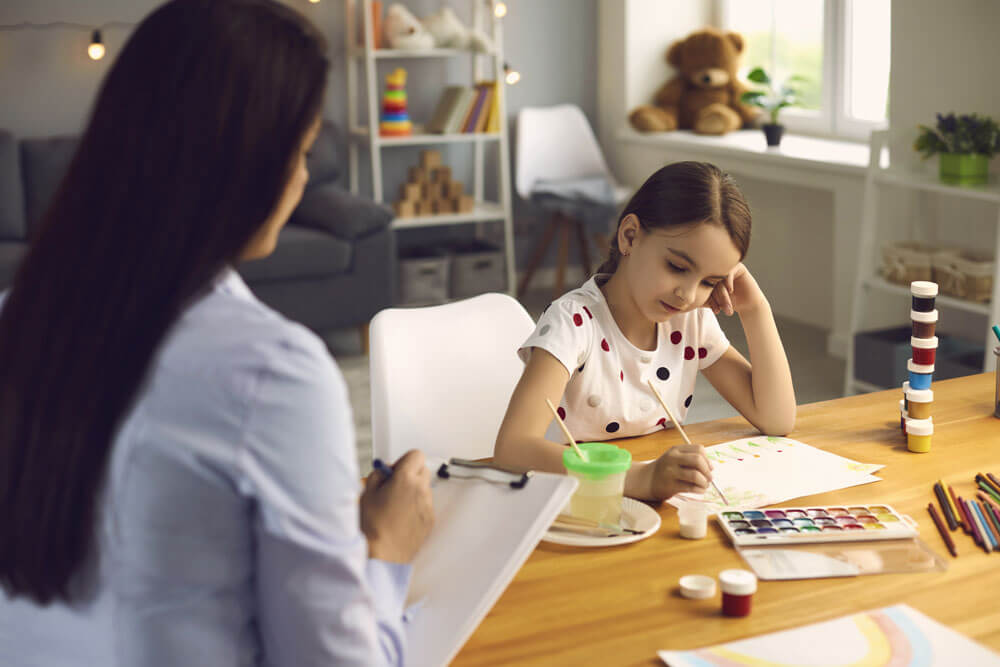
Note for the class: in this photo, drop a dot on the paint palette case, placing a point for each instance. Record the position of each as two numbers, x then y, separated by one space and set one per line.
802 525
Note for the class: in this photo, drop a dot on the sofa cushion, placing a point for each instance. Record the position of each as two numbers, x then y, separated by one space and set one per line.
11 192
335 210
300 253
11 253
322 158
44 162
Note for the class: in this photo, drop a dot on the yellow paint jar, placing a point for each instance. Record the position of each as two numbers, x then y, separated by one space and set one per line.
919 403
918 435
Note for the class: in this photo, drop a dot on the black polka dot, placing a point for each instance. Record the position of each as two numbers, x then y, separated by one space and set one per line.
612 427
580 369
662 373
545 309
687 401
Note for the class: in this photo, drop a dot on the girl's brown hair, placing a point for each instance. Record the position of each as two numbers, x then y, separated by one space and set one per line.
683 193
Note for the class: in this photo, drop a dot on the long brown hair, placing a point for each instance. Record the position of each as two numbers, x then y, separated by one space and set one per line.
188 149
683 193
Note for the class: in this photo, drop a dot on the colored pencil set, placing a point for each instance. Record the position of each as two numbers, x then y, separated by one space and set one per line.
978 517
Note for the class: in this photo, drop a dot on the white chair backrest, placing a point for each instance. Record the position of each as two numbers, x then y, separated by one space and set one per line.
441 376
556 143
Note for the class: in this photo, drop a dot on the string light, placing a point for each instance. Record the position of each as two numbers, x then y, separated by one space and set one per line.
511 76
500 10
315 2
96 48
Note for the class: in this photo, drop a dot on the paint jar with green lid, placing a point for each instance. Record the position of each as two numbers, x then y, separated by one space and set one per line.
602 480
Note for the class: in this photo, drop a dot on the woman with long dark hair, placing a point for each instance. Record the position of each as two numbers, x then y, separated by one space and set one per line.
177 465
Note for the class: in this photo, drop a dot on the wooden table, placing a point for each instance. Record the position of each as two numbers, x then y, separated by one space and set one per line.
619 605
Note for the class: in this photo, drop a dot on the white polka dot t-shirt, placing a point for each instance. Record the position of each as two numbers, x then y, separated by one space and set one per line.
607 395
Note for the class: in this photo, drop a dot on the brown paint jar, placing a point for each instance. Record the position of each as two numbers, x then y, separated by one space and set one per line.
924 324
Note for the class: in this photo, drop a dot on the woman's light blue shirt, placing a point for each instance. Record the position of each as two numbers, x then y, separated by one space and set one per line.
230 526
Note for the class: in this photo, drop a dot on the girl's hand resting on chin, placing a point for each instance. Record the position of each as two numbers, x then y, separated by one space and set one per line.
738 293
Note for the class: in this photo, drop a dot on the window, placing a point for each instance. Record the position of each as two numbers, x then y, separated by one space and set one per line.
840 48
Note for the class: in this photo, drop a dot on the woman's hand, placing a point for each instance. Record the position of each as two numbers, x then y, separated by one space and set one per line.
738 293
683 468
397 513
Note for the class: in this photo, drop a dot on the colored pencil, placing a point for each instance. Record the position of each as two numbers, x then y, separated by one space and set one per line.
987 481
993 479
951 504
681 430
944 533
976 537
562 425
958 510
945 508
989 509
996 331
989 501
986 526
988 489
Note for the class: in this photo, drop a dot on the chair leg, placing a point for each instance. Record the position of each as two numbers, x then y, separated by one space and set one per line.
584 248
564 225
538 256
363 332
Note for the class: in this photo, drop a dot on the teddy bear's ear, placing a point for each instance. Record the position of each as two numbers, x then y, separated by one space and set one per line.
674 53
737 40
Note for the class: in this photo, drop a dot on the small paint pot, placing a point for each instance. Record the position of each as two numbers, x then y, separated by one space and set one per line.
902 415
920 402
923 293
924 350
738 587
920 376
697 586
918 435
923 323
906 388
693 517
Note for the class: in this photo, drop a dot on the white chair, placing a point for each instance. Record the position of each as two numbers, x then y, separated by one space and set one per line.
441 376
561 168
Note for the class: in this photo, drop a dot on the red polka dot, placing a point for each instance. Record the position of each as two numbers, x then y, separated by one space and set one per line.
689 353
586 310
662 422
604 345
702 353
561 412
577 319
621 374
675 337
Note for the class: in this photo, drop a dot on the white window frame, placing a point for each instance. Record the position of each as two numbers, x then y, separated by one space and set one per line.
833 120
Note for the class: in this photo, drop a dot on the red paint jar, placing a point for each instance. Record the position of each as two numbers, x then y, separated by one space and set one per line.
738 587
924 350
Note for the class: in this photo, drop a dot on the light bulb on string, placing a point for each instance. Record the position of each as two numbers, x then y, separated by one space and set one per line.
511 76
500 10
96 48
315 2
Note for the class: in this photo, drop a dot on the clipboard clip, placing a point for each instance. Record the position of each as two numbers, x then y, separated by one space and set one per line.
480 470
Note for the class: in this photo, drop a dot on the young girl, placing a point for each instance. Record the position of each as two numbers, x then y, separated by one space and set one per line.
649 314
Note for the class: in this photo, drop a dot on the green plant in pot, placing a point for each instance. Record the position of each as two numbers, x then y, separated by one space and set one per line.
966 144
772 99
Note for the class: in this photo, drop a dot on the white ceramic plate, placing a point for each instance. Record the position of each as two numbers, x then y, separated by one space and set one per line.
635 515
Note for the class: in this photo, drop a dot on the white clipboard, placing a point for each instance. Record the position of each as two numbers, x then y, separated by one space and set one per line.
487 523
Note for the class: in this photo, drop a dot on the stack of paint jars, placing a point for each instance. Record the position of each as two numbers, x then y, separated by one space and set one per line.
918 397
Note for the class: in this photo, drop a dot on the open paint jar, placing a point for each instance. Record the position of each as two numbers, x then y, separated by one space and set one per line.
923 294
602 481
920 376
919 403
924 350
924 324
918 435
738 587
693 518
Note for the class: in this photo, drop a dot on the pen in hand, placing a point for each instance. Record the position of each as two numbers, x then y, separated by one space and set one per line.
380 465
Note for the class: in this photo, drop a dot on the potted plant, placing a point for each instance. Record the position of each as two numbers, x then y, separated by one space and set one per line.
772 99
966 144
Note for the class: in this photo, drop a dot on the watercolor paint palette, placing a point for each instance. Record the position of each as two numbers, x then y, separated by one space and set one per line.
801 525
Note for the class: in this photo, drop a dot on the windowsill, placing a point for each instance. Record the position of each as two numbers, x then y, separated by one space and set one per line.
800 152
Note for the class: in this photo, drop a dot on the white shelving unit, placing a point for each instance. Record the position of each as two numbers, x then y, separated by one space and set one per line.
867 278
365 135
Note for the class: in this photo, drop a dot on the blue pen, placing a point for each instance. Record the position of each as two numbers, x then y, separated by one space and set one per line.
380 465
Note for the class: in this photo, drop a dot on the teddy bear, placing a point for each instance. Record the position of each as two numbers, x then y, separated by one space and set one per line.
442 29
704 95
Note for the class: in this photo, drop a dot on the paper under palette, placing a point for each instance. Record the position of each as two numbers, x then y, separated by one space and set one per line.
800 525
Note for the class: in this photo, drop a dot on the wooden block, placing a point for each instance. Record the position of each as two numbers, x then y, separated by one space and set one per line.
440 174
409 191
453 189
405 209
426 190
464 203
430 158
445 206
418 175
422 207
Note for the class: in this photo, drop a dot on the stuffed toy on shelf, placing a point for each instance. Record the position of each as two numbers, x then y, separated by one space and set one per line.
704 94
442 29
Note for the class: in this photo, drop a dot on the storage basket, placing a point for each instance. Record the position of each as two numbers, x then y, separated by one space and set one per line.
476 267
966 274
423 276
906 261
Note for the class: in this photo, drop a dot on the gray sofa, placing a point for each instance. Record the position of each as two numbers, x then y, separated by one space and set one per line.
334 264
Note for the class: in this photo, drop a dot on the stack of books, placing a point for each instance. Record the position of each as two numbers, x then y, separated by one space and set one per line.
462 109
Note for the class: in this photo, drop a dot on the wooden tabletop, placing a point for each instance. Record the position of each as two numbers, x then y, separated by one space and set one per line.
619 605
